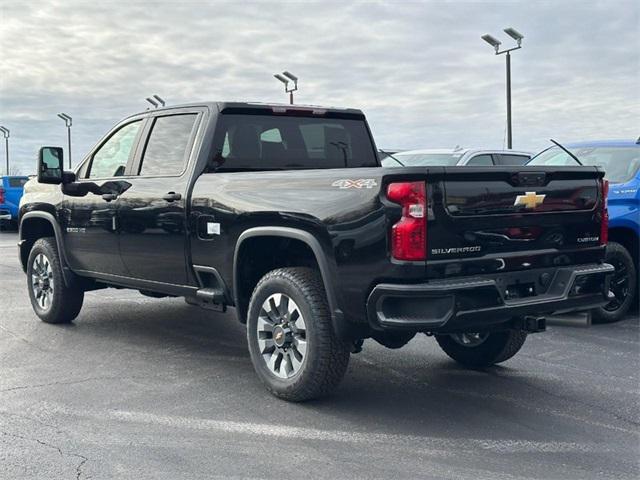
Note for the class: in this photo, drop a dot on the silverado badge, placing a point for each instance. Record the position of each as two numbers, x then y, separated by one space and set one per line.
529 200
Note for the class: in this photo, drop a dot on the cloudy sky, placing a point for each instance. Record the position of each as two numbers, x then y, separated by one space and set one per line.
419 70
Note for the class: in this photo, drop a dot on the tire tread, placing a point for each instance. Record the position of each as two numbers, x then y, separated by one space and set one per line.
68 299
499 347
333 358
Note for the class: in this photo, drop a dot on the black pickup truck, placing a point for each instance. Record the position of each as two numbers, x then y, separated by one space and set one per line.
285 213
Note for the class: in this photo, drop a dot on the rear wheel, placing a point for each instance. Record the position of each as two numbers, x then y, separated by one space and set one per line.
623 285
51 299
293 346
482 349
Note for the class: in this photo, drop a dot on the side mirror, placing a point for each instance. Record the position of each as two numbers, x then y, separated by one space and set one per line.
50 165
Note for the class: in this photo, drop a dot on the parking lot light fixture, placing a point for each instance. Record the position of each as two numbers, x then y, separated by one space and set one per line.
516 35
495 43
6 134
68 121
286 77
152 102
160 100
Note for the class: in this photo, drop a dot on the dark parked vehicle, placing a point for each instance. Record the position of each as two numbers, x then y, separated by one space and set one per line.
285 213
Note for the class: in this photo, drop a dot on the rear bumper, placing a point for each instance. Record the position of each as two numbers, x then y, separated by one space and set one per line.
5 214
484 302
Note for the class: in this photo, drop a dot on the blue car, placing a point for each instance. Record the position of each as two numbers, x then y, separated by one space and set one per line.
620 159
11 189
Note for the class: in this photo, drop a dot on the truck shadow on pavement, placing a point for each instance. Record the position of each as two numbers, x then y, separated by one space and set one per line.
415 390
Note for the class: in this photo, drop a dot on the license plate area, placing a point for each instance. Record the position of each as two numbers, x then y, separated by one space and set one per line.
520 290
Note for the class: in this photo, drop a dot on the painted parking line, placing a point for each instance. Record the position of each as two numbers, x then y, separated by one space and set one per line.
435 445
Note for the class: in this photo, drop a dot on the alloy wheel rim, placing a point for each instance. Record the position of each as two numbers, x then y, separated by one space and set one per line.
469 339
42 282
619 286
282 336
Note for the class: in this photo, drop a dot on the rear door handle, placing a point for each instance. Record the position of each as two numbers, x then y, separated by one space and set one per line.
109 196
172 196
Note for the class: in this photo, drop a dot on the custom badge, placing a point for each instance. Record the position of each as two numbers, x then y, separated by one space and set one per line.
529 200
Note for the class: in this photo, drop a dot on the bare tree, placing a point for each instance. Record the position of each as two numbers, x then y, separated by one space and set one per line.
14 170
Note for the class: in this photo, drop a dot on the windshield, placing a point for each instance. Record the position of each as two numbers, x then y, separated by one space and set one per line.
426 159
619 163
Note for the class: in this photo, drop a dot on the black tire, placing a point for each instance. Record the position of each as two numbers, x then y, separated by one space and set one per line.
326 357
496 348
623 284
64 301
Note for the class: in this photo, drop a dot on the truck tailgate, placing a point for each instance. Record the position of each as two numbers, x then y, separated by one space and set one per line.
477 212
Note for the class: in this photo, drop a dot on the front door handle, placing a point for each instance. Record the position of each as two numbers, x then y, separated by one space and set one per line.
109 196
172 196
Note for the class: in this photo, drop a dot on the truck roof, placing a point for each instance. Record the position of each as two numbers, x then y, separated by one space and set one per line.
256 107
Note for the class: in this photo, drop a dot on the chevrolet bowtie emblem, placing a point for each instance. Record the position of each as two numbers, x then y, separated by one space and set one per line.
529 200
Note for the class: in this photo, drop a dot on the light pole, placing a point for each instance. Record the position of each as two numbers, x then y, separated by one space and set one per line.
289 77
495 43
67 121
5 133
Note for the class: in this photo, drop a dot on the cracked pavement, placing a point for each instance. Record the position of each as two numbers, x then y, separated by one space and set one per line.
143 388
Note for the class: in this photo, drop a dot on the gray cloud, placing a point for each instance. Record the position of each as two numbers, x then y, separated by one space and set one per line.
419 70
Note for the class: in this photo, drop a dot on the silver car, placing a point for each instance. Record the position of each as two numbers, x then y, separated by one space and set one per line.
459 156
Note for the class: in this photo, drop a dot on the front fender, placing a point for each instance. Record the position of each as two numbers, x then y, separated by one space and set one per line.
30 230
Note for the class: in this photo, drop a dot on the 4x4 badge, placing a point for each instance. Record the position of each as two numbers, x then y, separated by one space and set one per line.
529 200
360 183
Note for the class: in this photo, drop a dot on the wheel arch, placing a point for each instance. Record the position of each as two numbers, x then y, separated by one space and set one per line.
628 238
321 259
36 225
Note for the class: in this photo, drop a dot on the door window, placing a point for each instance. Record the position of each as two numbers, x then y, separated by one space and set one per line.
112 157
166 151
481 161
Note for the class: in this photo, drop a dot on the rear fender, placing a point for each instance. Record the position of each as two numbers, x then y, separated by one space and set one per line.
321 259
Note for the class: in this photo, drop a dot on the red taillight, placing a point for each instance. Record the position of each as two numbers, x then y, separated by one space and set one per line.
604 214
1 195
409 235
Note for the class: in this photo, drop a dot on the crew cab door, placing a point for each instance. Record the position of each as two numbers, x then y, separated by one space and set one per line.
152 213
89 221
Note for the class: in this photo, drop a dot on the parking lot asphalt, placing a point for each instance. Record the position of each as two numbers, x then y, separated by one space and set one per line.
145 388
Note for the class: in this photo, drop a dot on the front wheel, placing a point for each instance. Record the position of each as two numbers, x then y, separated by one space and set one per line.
292 343
51 299
478 350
